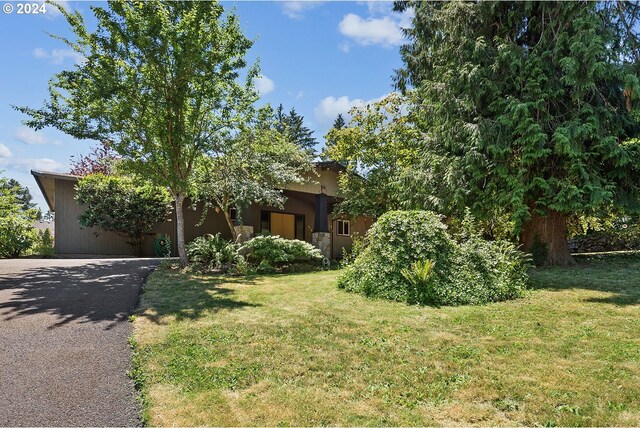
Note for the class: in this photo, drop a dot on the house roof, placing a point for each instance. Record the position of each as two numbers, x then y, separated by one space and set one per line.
47 179
333 165
47 183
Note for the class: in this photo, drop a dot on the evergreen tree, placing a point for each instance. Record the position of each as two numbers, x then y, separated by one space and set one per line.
21 193
526 107
291 125
338 124
300 134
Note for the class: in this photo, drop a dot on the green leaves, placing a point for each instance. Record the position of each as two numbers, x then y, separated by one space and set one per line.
252 167
410 257
527 102
160 84
17 233
122 205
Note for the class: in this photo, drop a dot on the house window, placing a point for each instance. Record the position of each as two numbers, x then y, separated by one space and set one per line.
343 227
233 213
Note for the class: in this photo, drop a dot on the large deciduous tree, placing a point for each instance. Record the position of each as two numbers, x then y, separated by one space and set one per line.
252 167
338 124
100 160
530 107
380 149
160 84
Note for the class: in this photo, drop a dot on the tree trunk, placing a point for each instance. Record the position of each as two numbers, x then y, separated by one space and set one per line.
547 234
227 217
184 261
137 245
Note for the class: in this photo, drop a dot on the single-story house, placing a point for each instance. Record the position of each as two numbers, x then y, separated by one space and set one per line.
307 215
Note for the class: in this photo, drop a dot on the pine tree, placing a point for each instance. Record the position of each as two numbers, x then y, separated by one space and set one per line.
300 134
291 125
21 192
338 124
526 107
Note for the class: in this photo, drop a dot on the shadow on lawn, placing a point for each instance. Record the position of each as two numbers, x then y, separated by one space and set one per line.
615 273
190 296
77 291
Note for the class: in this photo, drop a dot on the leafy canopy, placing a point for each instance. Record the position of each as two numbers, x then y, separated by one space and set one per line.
17 233
253 167
122 205
524 105
160 84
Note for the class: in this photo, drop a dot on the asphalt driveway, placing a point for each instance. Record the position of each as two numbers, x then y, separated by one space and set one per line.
63 341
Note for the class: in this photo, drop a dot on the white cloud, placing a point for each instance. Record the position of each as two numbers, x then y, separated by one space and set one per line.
299 95
297 9
329 108
405 18
345 47
58 56
4 151
52 11
43 164
29 136
382 31
378 7
264 85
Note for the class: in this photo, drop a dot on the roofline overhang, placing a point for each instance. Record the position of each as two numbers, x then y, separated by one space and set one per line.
39 175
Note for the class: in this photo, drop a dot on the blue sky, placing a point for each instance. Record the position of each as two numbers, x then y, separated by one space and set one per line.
320 57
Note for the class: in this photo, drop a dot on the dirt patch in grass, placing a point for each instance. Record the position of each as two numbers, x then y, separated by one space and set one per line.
294 350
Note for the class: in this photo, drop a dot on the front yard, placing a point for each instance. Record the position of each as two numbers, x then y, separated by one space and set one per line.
295 350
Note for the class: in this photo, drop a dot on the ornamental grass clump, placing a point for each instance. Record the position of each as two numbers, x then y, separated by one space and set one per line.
411 258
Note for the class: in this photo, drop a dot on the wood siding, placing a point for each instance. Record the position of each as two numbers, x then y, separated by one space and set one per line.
71 239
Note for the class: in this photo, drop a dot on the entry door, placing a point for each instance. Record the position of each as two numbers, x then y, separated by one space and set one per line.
283 225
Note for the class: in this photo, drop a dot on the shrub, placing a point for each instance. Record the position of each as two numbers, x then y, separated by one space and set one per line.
358 244
162 246
123 205
17 235
473 271
620 235
212 252
268 252
44 245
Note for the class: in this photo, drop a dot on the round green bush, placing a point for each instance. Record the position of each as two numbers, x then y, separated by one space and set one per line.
267 250
470 272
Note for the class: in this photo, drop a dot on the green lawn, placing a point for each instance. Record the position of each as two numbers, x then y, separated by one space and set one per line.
295 350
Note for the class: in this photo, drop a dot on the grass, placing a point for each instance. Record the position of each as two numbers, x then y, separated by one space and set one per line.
294 350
